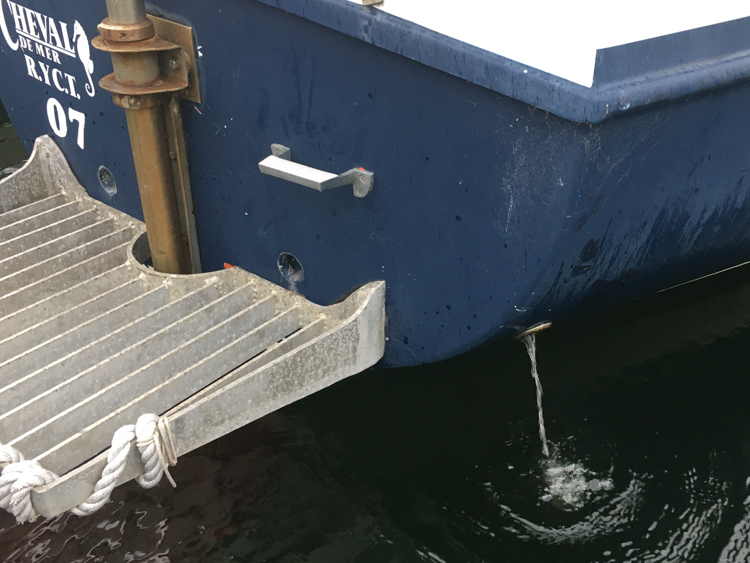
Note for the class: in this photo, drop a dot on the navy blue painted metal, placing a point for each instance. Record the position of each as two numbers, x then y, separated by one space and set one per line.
678 65
486 212
106 132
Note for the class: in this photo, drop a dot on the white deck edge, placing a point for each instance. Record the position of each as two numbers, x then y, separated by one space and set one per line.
560 38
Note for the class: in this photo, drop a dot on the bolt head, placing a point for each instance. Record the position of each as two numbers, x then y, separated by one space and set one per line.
134 102
174 64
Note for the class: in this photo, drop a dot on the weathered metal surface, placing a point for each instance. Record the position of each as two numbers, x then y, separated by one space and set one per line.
62 410
538 327
181 35
299 338
182 187
146 70
37 375
179 376
141 29
174 69
148 140
59 325
30 210
28 240
126 11
56 284
51 306
90 338
288 378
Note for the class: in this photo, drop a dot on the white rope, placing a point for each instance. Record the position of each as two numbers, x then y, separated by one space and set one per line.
153 438
8 455
16 483
118 454
154 441
17 479
152 434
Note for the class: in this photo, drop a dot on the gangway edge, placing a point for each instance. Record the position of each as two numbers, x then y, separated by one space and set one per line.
91 338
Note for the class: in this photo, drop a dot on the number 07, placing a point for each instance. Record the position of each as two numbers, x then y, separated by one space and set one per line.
56 116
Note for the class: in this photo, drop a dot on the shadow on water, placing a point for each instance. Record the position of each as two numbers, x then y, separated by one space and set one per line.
12 152
442 462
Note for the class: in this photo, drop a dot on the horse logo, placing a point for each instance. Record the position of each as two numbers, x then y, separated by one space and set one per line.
84 54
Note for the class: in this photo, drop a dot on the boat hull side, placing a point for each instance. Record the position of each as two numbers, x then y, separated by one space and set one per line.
486 213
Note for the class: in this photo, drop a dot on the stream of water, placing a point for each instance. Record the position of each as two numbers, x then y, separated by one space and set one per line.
567 484
649 456
530 342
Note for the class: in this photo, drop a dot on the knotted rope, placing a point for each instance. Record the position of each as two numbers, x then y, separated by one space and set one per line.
16 482
154 441
152 437
8 455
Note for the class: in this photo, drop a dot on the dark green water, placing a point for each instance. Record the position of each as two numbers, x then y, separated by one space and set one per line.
442 463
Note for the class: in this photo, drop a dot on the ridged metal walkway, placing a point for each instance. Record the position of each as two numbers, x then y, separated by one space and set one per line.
90 338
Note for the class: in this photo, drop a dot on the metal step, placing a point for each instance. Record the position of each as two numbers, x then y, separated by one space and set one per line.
91 338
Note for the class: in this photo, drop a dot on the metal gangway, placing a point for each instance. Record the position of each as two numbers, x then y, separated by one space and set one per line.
110 370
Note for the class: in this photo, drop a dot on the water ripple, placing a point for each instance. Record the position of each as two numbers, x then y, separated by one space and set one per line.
615 515
737 549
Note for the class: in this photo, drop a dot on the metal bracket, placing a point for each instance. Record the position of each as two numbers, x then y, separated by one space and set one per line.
175 50
181 35
280 165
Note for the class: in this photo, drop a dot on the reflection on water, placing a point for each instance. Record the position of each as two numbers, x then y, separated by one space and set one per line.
738 546
649 430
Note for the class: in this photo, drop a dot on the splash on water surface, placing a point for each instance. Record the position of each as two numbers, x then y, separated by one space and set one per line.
569 486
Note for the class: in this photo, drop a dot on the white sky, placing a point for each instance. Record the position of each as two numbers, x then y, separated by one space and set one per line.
560 37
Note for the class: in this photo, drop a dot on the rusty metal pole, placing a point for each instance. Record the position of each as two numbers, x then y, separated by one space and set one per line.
129 37
148 140
126 11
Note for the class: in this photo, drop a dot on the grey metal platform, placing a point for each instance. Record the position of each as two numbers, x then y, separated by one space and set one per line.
90 338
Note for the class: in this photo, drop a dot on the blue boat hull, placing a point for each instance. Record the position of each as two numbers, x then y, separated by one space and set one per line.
487 213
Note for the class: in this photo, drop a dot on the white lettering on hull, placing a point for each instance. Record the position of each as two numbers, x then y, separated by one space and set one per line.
42 40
